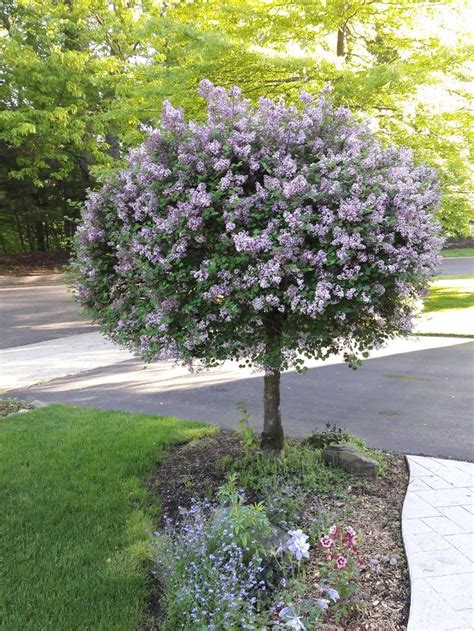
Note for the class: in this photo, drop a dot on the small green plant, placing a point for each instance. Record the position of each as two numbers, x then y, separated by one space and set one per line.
331 435
224 463
284 501
10 406
246 524
245 432
301 465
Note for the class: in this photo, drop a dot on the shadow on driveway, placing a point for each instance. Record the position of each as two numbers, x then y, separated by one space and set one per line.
416 402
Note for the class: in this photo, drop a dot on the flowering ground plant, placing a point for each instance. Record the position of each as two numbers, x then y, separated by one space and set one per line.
209 581
297 611
340 560
223 565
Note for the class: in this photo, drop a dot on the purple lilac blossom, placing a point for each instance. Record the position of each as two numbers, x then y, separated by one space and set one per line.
275 215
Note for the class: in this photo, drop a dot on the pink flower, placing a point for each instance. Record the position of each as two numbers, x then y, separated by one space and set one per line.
341 562
334 531
326 541
350 531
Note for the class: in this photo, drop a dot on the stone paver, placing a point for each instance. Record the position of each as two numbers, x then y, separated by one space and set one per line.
438 532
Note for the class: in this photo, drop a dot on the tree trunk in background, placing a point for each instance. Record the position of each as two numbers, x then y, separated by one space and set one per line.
114 146
20 231
272 435
31 242
341 43
40 236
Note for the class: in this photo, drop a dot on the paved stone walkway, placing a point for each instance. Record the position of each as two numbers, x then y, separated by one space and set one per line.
438 531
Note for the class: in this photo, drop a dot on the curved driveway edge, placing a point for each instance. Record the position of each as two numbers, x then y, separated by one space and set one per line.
23 366
438 533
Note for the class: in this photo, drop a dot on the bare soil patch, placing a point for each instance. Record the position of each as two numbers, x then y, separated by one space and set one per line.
33 263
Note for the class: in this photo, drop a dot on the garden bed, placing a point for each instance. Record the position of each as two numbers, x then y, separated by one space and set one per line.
372 507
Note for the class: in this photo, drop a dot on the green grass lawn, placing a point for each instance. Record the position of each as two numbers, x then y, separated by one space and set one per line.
75 515
450 293
458 252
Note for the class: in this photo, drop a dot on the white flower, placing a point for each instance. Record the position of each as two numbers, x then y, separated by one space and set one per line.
332 593
295 623
297 544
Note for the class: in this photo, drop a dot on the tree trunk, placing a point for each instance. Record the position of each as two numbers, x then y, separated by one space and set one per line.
272 435
114 146
341 42
40 236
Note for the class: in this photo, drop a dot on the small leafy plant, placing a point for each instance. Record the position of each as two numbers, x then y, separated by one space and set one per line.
331 435
340 561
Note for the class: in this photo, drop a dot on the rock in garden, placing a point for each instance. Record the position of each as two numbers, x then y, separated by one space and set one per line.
348 458
38 404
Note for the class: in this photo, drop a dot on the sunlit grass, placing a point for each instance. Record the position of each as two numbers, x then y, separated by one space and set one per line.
450 293
458 252
75 515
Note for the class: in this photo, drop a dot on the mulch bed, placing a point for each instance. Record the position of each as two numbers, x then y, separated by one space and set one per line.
191 470
34 263
373 508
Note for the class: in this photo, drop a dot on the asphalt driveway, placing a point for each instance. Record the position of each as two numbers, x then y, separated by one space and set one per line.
457 266
36 309
416 402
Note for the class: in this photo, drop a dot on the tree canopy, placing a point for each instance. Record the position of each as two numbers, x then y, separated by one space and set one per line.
80 79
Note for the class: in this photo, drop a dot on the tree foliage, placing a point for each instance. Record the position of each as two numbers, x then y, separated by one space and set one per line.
80 78
268 235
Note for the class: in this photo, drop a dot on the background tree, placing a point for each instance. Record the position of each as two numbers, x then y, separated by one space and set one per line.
74 90
79 80
267 235
404 66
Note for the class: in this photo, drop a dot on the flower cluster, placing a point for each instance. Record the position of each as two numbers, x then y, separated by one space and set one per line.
333 541
296 219
341 561
210 581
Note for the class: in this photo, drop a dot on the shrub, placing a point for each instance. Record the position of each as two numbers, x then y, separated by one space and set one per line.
331 435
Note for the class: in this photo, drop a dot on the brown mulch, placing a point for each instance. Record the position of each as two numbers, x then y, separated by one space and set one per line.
34 263
373 508
377 515
191 470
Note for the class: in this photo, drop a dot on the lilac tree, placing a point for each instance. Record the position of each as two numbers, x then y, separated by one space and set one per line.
269 234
